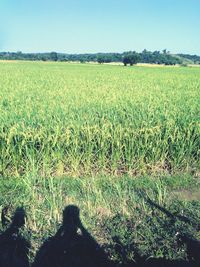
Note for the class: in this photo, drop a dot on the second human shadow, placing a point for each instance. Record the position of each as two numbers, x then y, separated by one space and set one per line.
69 247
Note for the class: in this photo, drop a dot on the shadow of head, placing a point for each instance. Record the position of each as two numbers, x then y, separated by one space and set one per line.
71 220
71 215
14 248
17 220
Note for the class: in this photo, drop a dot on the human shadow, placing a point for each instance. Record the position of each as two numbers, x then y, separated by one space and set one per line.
14 248
71 246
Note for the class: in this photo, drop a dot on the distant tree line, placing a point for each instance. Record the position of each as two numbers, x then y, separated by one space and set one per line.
194 58
130 57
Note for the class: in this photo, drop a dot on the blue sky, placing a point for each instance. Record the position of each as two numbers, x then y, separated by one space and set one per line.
78 26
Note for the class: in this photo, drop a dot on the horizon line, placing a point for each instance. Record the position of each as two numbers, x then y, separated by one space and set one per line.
78 53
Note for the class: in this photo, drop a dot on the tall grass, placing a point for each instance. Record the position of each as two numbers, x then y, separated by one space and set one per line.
59 119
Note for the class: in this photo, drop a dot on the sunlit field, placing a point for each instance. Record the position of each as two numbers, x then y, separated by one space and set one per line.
96 135
81 119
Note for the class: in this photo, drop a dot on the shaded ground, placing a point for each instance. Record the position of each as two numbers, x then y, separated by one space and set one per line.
117 224
74 246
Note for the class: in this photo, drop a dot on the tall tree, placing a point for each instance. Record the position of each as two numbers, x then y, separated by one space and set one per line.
54 56
131 58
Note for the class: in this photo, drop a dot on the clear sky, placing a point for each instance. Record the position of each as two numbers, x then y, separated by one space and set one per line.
78 26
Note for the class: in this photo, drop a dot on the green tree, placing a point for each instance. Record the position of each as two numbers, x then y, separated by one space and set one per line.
131 58
100 59
53 56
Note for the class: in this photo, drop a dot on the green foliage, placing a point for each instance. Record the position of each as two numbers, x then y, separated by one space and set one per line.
183 65
131 58
100 59
53 56
194 58
157 57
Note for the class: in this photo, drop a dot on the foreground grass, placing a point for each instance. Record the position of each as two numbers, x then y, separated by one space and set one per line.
76 119
112 209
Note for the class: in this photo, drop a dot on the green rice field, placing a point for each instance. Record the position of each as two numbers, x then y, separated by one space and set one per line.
84 119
